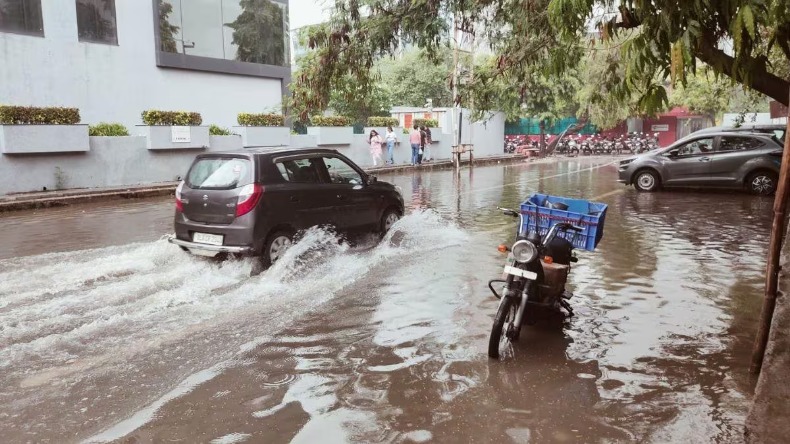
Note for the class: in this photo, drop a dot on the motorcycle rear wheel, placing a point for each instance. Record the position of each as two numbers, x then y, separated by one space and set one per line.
503 321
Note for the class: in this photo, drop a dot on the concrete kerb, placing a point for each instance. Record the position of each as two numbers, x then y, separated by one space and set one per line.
767 421
47 199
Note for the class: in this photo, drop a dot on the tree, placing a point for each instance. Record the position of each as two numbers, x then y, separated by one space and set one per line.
412 78
539 96
660 40
703 93
167 30
603 95
350 100
259 33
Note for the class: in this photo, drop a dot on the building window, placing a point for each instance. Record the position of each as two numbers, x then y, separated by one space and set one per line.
21 16
252 31
96 21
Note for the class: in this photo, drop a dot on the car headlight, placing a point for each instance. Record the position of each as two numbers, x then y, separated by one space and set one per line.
524 251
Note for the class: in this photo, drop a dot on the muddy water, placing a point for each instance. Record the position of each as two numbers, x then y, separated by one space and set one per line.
140 343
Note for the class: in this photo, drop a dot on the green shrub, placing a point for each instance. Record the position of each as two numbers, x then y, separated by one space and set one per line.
330 121
247 119
383 121
108 130
216 130
155 117
32 115
430 123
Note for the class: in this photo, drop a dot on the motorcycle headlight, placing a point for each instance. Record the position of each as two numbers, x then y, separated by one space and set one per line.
524 251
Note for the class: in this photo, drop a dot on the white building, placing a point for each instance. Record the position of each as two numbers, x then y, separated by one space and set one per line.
113 59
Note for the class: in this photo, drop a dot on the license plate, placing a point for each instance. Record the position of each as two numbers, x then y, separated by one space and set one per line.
205 238
521 273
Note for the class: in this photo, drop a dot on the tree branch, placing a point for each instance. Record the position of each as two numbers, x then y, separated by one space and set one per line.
761 80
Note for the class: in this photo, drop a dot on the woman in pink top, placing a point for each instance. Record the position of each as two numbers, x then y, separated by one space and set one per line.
375 146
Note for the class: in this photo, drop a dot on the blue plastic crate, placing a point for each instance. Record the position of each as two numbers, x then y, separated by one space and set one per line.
583 213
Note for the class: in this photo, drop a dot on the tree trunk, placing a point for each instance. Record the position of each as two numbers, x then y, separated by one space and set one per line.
760 79
774 251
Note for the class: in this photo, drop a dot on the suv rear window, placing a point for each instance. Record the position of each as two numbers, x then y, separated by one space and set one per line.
219 173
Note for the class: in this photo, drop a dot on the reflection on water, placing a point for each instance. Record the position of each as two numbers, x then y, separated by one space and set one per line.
657 351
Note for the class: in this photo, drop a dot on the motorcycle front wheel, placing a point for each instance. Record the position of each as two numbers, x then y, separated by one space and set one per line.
503 327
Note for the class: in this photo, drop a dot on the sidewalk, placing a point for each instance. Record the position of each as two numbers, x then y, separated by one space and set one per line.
767 421
46 199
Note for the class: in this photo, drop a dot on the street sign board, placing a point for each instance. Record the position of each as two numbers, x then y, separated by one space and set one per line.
659 128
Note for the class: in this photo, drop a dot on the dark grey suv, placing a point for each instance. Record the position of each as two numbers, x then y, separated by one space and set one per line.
253 202
723 159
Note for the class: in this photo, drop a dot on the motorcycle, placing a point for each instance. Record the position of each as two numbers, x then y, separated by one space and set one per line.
534 280
586 149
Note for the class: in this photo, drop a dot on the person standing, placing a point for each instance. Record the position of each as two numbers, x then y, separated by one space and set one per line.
390 138
426 156
375 146
422 145
414 140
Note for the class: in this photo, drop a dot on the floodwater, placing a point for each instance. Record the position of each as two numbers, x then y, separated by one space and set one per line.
108 333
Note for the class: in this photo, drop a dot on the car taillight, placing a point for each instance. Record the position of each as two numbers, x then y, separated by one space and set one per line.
248 198
179 203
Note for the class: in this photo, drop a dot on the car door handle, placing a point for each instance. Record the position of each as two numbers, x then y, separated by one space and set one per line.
704 159
341 197
294 199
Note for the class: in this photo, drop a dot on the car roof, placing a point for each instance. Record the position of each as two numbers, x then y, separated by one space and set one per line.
269 151
743 128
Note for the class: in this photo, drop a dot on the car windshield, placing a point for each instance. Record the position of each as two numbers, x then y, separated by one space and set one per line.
219 173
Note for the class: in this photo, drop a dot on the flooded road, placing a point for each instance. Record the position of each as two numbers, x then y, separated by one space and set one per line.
108 333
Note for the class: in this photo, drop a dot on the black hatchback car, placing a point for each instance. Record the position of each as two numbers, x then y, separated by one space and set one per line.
253 202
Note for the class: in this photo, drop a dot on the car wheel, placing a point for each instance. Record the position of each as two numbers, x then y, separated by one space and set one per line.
762 183
388 219
647 180
276 246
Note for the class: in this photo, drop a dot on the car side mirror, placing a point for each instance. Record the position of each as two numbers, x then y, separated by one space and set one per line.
674 153
372 180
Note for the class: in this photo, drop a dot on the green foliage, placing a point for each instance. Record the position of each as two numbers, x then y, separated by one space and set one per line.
703 93
412 78
167 31
216 130
264 119
32 115
537 42
108 130
430 123
184 118
359 101
535 94
382 121
258 33
330 121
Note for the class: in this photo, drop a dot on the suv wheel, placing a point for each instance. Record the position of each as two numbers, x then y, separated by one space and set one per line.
646 180
275 247
762 183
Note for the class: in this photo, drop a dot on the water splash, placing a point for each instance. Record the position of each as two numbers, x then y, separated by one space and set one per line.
102 305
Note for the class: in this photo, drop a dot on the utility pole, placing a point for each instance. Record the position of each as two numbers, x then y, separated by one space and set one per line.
456 124
471 82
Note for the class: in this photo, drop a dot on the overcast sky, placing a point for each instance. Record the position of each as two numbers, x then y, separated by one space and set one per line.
308 12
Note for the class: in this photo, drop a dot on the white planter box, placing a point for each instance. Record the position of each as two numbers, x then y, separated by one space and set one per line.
225 143
255 136
31 139
174 137
332 135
